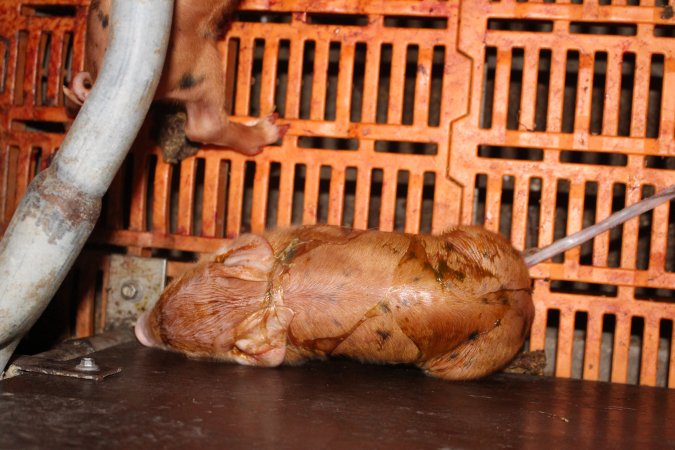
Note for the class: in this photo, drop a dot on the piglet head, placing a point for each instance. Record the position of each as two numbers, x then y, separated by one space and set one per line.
221 309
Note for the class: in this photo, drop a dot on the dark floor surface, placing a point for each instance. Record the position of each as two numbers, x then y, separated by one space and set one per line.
162 400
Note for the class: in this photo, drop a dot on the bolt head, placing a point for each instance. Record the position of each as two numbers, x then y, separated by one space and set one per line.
87 365
129 291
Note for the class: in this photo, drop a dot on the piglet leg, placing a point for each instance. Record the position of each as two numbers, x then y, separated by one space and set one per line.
202 92
207 123
261 337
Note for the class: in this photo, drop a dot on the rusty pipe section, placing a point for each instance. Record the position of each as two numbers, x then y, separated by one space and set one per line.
61 206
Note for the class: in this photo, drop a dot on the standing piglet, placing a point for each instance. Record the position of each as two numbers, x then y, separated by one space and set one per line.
192 74
457 305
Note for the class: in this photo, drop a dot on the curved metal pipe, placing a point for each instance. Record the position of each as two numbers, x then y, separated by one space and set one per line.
61 206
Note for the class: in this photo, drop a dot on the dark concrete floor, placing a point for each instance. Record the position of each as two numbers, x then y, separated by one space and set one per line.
162 400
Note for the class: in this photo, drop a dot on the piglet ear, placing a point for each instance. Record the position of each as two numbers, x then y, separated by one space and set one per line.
248 257
260 340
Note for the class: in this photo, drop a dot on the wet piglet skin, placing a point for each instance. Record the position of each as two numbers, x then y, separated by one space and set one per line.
457 305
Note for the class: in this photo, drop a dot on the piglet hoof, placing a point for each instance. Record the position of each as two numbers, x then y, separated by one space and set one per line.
81 86
282 130
268 131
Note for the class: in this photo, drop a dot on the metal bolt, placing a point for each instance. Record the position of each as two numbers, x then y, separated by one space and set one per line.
129 290
87 365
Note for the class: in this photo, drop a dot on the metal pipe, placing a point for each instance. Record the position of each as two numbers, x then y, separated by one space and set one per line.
61 206
585 235
6 352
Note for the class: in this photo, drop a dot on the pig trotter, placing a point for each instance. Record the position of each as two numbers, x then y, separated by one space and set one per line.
260 340
77 93
81 86
268 131
250 139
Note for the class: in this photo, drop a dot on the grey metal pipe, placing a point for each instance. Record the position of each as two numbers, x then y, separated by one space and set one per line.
585 235
61 206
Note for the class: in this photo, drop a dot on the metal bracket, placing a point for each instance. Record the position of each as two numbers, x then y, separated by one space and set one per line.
73 358
134 286
85 368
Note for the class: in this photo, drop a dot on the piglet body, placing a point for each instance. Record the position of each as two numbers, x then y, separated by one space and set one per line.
457 305
192 74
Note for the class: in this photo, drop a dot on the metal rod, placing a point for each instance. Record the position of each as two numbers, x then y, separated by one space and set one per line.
61 206
619 217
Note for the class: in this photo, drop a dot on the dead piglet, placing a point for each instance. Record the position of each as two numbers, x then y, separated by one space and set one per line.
456 305
192 74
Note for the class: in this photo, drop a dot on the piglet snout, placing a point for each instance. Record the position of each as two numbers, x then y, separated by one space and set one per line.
143 333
